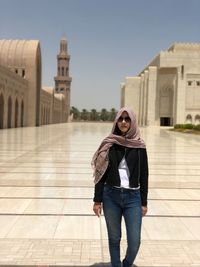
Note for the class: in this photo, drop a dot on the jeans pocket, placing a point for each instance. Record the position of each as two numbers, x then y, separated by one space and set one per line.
135 195
135 192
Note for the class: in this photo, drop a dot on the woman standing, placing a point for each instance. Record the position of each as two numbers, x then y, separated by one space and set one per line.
121 185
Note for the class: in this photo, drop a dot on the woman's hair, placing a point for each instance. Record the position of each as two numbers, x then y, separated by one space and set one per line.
117 130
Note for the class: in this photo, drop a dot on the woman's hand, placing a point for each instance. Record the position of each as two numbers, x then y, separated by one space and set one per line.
144 210
97 208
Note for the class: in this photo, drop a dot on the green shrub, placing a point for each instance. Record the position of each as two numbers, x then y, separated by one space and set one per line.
197 127
178 126
188 126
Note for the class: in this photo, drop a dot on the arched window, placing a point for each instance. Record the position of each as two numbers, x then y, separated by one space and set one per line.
16 113
9 112
188 118
197 119
63 71
23 73
1 110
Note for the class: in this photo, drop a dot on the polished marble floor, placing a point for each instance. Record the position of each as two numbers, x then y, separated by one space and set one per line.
46 192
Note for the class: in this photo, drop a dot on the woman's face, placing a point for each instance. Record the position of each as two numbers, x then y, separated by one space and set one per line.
124 123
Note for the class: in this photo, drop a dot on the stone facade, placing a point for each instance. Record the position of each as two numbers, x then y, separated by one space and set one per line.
13 98
23 102
167 91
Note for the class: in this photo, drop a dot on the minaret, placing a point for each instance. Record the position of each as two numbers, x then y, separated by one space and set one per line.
63 80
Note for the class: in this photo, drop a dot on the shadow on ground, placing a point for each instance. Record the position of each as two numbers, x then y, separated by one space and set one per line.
100 264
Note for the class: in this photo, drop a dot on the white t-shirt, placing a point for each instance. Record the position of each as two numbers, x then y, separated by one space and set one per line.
124 173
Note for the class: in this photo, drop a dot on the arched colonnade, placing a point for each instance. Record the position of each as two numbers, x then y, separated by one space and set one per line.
11 111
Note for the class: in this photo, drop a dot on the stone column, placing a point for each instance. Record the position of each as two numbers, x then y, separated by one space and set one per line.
13 112
146 75
5 115
19 115
151 99
140 121
180 98
122 87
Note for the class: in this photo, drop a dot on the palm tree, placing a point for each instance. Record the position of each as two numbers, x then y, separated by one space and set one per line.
104 116
113 113
75 112
84 114
94 116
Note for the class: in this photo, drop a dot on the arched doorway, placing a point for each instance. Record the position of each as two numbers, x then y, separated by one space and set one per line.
16 113
9 112
22 114
188 118
197 119
166 107
1 111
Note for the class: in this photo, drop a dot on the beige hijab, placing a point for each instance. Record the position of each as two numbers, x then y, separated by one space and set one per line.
132 139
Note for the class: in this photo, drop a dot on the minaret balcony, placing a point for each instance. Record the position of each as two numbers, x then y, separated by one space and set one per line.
62 79
63 56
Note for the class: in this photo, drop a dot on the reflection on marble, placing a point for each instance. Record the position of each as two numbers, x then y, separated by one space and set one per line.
167 229
34 227
47 186
78 227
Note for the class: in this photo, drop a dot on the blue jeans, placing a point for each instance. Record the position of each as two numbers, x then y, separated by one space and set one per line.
118 202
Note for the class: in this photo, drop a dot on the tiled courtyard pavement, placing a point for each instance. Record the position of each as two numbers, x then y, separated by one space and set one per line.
46 194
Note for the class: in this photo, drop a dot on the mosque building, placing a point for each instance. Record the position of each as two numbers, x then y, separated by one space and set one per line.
23 100
167 91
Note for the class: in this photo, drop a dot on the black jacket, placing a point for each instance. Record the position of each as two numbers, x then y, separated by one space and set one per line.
137 162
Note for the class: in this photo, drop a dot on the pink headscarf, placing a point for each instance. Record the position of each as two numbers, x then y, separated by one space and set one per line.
131 139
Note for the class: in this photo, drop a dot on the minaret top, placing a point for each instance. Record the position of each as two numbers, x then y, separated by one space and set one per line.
63 46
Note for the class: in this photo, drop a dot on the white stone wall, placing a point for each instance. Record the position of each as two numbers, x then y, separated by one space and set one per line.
161 93
132 93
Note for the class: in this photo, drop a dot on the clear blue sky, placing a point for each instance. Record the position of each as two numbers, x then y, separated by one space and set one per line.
107 39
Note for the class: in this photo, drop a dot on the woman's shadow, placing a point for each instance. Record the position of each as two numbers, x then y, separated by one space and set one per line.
100 264
105 264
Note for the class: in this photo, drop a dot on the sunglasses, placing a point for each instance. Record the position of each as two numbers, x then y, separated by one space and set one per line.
126 119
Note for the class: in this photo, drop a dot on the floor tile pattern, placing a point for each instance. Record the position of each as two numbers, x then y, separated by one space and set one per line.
46 192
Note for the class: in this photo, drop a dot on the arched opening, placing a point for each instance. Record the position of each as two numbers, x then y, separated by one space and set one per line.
16 113
166 107
9 112
41 114
188 118
22 114
1 111
197 119
49 117
44 115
